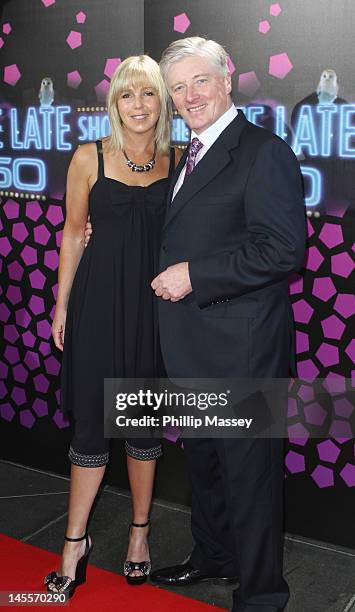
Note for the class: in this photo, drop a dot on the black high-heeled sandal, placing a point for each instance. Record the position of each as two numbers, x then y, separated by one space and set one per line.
144 567
65 584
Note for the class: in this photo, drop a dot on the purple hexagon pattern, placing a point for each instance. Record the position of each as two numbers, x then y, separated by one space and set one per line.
181 23
36 263
30 258
280 65
81 17
111 65
324 311
275 9
12 74
74 39
231 66
101 90
321 294
264 26
248 83
74 79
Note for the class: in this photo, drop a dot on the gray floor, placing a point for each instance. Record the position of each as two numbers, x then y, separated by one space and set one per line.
33 509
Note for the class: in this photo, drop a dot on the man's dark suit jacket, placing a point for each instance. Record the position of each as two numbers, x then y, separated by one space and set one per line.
239 220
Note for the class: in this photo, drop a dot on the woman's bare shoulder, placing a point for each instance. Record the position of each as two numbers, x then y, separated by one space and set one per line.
85 154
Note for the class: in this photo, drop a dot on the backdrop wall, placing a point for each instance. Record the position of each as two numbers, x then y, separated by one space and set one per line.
56 63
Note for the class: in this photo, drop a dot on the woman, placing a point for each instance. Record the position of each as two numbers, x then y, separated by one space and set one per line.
105 319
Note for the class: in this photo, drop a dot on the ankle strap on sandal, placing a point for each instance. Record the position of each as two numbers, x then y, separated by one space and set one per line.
76 539
140 524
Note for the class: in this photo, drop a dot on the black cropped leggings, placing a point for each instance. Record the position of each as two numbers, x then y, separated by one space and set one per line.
89 447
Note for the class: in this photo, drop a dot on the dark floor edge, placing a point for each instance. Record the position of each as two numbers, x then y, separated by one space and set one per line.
161 503
341 550
31 469
2 497
44 527
350 606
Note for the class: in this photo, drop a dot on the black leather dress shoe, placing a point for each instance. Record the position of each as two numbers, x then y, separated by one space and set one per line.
184 575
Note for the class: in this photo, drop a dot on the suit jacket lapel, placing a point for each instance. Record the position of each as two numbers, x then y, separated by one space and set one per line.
216 158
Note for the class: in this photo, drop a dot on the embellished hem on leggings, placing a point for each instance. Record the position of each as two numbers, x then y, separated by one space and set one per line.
87 460
144 454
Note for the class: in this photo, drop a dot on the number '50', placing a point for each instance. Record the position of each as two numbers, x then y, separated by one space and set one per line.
11 176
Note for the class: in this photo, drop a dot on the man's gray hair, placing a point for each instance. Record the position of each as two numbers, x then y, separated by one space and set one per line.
194 45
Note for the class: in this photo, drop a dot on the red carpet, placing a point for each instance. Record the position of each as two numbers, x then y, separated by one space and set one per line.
22 568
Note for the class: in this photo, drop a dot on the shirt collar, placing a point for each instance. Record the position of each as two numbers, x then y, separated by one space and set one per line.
210 135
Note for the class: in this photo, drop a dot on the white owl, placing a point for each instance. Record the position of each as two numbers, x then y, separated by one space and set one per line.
328 87
46 92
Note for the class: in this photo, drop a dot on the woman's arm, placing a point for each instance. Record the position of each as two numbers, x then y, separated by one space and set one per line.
80 173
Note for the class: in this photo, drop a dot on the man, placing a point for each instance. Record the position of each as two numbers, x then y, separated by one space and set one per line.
234 231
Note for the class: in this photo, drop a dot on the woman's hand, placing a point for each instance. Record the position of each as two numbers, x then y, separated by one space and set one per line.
58 327
88 231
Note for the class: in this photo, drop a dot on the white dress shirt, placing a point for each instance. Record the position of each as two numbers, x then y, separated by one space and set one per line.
208 137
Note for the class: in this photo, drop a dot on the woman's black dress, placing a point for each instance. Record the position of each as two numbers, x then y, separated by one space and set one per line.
111 326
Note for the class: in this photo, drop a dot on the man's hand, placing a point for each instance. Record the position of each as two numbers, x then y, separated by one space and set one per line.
88 231
174 283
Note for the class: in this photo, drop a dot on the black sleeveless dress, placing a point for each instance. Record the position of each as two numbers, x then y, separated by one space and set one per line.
111 327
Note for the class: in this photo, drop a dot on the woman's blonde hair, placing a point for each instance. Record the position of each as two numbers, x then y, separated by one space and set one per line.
138 70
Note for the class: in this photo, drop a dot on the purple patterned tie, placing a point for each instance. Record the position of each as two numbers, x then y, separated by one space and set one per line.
195 146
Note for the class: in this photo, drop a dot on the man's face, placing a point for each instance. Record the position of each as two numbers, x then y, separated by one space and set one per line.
200 93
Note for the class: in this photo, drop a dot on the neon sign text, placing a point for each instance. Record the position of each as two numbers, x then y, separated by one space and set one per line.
44 128
12 175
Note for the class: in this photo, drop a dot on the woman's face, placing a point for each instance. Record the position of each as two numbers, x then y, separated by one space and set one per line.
139 108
